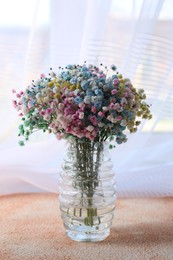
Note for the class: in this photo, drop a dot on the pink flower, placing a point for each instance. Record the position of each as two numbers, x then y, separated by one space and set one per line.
52 125
48 111
112 106
93 120
42 113
47 117
114 91
75 117
30 104
100 113
123 101
102 75
115 82
42 75
20 114
59 136
14 103
52 105
68 111
93 109
125 94
91 137
119 118
13 91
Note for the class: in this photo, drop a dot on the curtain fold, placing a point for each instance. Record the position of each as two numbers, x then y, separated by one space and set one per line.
131 34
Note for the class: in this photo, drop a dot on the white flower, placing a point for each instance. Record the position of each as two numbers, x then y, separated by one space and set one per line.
101 124
90 128
76 91
46 99
123 122
60 106
81 115
38 96
124 100
109 118
52 74
114 120
87 100
105 108
37 82
55 89
94 98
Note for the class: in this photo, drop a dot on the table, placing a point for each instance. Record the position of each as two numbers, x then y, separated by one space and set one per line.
31 228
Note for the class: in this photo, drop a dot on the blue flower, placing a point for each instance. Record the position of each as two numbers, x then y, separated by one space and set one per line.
78 100
130 115
33 102
122 127
24 101
114 76
69 67
119 140
86 74
89 93
65 75
84 68
30 93
113 67
84 84
98 92
98 105
73 80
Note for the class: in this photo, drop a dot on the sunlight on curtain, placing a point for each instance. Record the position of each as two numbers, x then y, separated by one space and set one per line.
136 35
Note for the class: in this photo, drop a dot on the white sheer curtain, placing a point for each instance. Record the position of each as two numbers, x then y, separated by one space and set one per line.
133 34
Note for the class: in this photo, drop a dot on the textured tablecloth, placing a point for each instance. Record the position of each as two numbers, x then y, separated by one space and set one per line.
31 228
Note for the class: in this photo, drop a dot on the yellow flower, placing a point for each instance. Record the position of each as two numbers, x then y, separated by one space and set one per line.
120 76
78 86
72 87
57 95
51 83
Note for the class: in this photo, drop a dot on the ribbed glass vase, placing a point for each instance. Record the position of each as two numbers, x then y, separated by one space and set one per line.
87 191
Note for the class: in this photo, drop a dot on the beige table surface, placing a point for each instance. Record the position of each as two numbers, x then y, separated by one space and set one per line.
31 228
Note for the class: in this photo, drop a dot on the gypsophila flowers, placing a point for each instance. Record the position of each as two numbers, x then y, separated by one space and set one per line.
83 102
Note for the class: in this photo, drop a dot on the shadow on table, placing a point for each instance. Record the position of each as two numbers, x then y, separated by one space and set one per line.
141 234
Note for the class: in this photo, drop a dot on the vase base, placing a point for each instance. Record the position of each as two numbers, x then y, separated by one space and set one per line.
88 236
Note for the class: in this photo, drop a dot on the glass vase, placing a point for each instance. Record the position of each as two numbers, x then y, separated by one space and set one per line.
87 191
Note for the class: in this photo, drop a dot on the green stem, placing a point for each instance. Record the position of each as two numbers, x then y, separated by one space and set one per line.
87 161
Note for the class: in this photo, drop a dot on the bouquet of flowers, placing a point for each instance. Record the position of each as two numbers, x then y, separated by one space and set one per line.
84 102
86 105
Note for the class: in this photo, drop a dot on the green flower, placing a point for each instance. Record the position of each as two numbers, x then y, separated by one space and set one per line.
21 143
